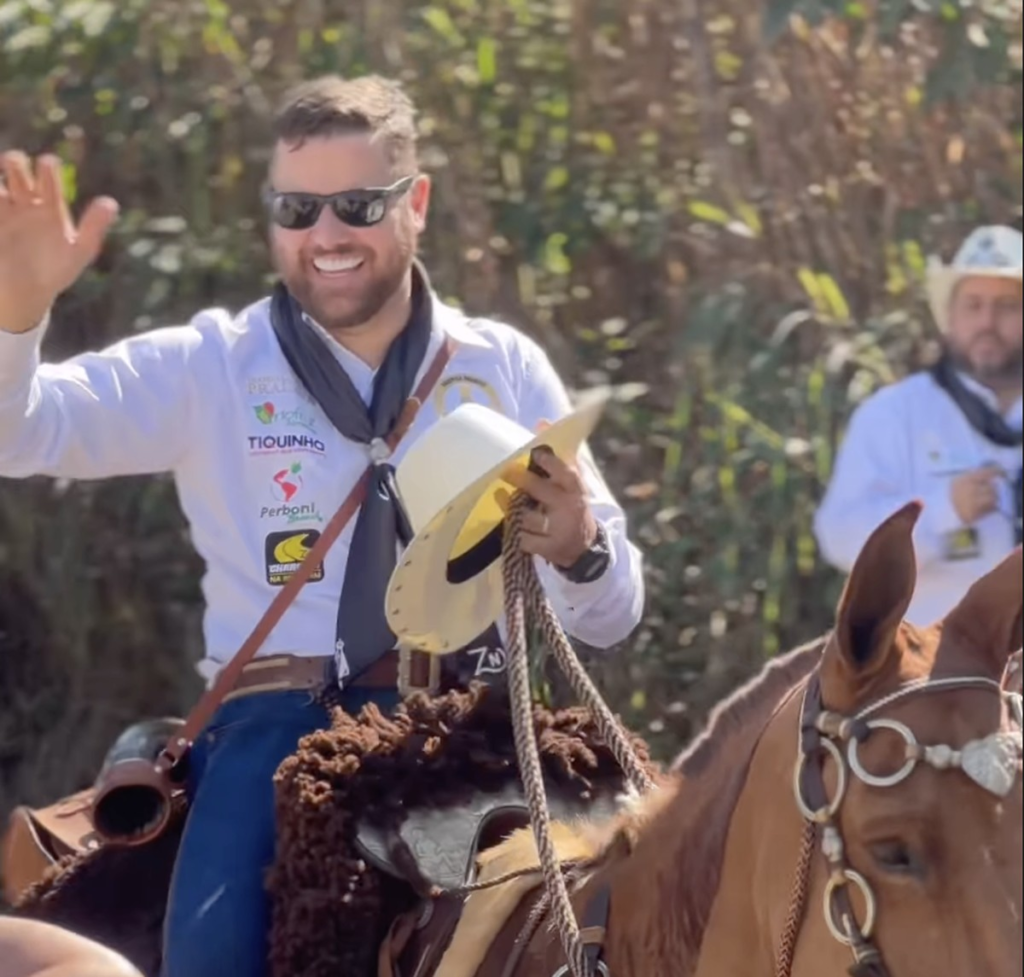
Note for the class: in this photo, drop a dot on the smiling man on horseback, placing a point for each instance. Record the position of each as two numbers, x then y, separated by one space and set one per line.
267 420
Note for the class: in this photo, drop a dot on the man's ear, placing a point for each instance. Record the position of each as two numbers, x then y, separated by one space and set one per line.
419 200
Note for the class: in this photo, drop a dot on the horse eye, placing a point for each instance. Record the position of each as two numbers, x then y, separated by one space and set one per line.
897 858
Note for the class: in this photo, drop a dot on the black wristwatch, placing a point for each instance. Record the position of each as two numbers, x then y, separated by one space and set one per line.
593 563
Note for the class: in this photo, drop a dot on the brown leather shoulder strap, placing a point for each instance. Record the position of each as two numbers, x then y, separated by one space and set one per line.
204 710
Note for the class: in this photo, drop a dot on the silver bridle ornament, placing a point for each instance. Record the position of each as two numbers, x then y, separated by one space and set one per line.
993 763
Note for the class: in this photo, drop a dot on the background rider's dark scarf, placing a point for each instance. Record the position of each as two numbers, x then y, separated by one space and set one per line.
987 421
362 630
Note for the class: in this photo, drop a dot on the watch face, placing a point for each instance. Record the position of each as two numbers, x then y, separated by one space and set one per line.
596 563
591 564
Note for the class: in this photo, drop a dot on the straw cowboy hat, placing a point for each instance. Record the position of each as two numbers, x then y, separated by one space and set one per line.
447 588
989 252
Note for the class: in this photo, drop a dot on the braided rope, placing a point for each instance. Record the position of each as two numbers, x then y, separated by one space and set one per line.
520 873
608 726
524 593
797 904
517 566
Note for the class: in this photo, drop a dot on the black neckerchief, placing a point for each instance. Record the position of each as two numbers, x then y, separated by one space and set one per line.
989 423
363 635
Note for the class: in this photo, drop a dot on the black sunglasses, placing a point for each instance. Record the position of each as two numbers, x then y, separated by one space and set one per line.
358 208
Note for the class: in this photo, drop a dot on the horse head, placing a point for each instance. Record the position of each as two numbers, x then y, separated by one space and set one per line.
879 829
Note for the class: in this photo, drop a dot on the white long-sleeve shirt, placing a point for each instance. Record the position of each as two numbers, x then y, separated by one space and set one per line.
909 441
255 460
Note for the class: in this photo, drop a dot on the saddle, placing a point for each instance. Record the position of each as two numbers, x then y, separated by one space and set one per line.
441 845
442 848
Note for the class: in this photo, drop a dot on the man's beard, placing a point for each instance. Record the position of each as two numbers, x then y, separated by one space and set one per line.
338 316
1008 372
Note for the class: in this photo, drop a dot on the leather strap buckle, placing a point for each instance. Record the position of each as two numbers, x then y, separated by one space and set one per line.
418 672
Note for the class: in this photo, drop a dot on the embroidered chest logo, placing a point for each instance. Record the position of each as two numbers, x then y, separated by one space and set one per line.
272 444
287 486
464 389
282 423
269 415
271 386
285 553
288 482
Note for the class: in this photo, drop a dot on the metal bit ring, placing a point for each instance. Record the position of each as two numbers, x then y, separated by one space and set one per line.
850 876
823 816
853 755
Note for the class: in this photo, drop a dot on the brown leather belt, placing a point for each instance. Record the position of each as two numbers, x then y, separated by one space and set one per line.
286 673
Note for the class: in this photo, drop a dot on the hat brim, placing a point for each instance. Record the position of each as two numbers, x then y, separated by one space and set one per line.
437 600
943 279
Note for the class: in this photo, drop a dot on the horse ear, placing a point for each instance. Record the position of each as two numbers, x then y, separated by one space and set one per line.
875 599
988 620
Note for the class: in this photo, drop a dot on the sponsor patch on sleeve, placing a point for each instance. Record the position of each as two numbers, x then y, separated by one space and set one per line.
285 552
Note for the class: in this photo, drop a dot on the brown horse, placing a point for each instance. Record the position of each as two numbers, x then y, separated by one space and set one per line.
32 949
857 807
717 875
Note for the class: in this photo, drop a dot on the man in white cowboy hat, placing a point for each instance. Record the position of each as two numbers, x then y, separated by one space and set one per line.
950 436
267 419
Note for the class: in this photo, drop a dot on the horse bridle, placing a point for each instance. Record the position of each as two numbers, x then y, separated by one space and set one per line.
993 763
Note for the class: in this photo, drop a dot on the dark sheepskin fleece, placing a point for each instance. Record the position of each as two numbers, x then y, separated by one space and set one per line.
332 909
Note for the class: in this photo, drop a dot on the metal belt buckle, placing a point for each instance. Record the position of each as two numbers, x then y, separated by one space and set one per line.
405 683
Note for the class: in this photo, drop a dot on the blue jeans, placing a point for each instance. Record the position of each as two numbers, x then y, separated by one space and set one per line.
218 910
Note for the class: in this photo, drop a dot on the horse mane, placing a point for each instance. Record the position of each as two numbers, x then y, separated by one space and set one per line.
692 817
754 701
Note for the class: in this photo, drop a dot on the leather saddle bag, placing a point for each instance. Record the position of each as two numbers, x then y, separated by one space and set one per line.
37 840
129 803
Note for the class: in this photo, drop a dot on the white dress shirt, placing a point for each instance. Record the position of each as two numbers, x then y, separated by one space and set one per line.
909 441
215 403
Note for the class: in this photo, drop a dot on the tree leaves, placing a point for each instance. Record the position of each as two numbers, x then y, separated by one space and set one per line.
740 228
976 39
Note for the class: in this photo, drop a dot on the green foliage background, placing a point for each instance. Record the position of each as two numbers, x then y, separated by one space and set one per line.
725 207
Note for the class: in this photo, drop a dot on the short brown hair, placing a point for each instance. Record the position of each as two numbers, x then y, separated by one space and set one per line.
336 106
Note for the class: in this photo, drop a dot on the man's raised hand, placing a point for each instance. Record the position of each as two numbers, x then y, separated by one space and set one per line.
42 251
